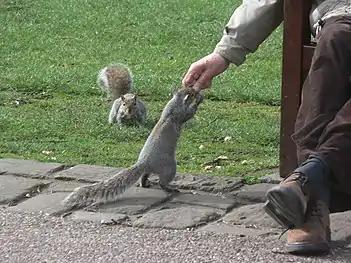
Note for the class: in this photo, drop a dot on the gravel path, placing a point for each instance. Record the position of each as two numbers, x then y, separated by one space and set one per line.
40 238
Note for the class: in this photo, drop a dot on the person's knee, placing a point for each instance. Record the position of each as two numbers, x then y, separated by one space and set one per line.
335 33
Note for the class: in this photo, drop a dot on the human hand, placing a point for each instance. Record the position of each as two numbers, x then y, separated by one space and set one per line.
201 72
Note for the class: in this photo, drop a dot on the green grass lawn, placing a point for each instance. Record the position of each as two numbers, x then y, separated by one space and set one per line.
52 50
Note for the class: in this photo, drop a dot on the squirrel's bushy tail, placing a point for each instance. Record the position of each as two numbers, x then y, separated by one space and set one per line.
105 191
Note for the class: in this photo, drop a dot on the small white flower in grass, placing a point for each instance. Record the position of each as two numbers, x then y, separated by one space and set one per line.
227 138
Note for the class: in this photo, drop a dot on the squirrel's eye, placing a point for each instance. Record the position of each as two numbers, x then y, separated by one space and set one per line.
124 104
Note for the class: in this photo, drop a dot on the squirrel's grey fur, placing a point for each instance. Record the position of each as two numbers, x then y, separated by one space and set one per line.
128 108
158 156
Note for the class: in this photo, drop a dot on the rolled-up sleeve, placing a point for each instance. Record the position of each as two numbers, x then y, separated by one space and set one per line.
251 23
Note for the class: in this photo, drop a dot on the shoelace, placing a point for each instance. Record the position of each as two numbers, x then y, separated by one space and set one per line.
286 230
315 211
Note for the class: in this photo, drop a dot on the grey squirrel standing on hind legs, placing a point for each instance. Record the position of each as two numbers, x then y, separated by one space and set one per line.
158 156
117 81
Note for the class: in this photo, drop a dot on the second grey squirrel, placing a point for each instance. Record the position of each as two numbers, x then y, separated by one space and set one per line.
158 155
115 80
128 109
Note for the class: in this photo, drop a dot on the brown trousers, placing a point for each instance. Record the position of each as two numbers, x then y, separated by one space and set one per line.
323 124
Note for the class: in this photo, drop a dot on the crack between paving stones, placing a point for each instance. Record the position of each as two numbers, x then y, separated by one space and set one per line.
226 190
342 243
231 209
222 191
157 204
268 170
80 180
30 193
68 213
247 200
113 222
227 210
207 220
61 168
50 172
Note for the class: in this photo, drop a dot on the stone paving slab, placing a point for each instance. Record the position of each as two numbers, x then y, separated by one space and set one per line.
63 186
205 183
205 200
47 203
178 218
341 226
87 173
13 188
273 178
103 218
250 215
255 192
28 168
135 200
236 230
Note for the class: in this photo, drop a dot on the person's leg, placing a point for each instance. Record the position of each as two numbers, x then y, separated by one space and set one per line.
301 201
335 147
326 88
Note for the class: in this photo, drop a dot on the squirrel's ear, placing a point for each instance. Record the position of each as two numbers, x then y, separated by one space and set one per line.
122 98
135 99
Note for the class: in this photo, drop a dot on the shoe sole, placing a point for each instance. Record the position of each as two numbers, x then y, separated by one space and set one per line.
308 248
285 207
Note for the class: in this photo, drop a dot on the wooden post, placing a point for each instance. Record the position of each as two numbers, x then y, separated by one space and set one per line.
296 35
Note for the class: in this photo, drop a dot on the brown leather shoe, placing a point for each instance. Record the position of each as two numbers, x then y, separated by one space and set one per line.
314 235
287 202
